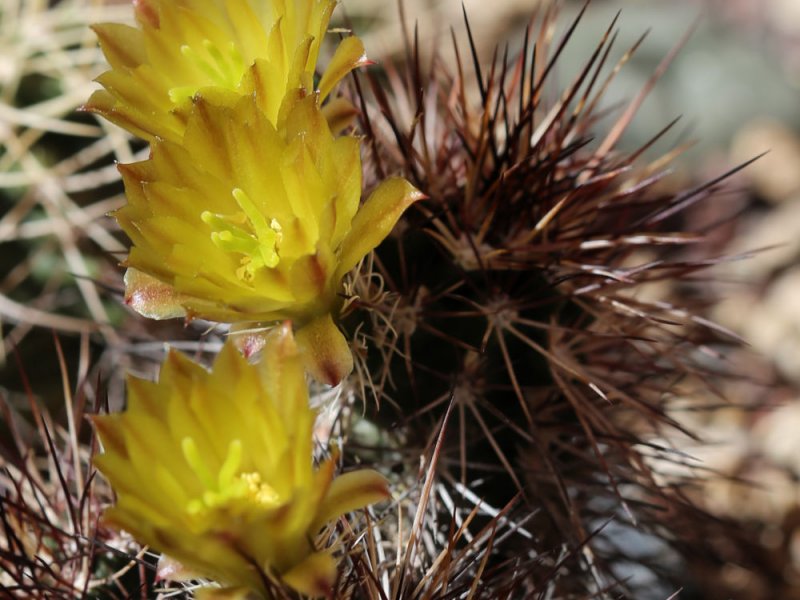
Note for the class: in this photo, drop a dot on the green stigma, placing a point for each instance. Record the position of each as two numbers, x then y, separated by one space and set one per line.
223 69
248 233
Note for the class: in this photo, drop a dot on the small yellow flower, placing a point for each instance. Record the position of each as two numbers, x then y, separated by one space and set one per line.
214 469
245 223
219 48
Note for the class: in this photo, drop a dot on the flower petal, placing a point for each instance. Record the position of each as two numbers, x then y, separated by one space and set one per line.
314 577
349 55
351 491
122 45
375 220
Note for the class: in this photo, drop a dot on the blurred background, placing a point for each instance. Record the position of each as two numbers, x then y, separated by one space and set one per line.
736 85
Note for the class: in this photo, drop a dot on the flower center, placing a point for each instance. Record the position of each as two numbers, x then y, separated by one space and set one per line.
229 487
246 232
223 69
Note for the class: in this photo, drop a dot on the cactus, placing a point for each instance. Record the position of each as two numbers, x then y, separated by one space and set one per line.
510 307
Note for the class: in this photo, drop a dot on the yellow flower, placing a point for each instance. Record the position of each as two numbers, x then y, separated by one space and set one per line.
219 48
214 469
246 223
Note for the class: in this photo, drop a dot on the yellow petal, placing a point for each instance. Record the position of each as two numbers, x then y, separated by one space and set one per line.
123 46
260 81
249 30
351 491
343 172
349 55
325 352
314 577
110 434
375 220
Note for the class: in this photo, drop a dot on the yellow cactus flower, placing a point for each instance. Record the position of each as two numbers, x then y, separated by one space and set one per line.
244 223
219 48
214 469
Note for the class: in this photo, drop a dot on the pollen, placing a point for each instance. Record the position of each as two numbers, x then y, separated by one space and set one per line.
259 491
247 232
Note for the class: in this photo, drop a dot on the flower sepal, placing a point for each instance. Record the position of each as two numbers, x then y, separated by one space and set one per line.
169 569
325 352
314 577
152 298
